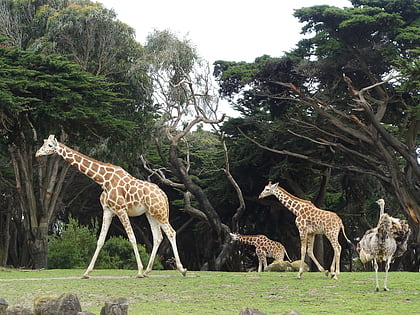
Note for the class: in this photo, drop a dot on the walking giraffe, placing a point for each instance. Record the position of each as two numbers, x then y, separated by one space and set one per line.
264 247
311 221
124 196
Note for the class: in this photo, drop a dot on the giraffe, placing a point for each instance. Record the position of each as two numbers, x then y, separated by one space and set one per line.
124 196
264 247
311 221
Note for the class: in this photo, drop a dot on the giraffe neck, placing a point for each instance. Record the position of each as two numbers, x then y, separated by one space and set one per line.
294 204
248 239
86 165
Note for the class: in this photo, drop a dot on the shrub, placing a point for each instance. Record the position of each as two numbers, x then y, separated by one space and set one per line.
75 246
118 253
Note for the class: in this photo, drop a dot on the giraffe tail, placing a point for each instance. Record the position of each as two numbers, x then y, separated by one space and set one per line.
352 246
287 255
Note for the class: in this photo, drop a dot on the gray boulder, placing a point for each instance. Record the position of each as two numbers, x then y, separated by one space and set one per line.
115 307
65 304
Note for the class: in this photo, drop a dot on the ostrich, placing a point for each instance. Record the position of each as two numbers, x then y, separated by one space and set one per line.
384 242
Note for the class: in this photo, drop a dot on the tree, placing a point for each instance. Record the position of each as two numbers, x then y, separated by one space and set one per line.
86 33
338 110
344 92
40 95
184 93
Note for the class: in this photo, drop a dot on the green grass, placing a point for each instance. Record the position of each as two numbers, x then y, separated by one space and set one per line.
167 292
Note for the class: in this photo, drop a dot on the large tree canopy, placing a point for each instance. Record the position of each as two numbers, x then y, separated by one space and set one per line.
41 95
342 99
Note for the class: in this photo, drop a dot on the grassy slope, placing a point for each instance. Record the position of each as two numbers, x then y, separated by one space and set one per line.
167 292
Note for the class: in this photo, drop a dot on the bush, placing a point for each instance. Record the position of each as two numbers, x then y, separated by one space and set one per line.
75 246
118 253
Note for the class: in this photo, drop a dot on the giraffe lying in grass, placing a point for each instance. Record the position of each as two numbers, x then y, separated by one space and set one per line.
264 247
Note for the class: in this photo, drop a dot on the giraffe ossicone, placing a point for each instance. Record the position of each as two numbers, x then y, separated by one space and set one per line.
310 221
123 196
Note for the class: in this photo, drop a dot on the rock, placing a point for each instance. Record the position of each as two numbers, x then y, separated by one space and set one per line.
293 313
296 266
65 304
3 306
250 311
19 310
85 313
115 307
280 266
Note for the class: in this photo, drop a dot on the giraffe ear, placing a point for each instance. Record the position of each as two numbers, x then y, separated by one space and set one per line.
51 137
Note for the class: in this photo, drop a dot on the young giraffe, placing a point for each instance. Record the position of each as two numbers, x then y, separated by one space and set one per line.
124 196
311 221
264 247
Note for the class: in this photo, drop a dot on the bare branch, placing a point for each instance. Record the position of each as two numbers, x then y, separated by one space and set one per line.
318 162
161 175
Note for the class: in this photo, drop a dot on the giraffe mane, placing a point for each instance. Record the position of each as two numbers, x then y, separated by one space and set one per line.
88 157
294 197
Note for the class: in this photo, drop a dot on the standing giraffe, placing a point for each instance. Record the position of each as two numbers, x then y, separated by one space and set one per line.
264 247
124 196
311 221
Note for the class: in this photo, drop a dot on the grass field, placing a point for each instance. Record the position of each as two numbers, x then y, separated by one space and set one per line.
167 292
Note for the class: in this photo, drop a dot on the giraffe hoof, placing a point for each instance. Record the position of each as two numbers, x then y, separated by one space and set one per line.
140 275
85 277
385 289
184 272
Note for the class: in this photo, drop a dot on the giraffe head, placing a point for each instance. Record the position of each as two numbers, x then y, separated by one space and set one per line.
234 236
268 190
50 146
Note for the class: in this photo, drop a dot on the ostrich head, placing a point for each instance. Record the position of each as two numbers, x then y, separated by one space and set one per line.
381 204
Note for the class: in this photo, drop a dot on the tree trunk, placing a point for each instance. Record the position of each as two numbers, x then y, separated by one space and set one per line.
38 189
214 246
5 221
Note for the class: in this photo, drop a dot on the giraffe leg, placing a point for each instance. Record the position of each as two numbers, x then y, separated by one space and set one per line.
171 234
388 262
260 262
264 263
106 222
311 239
125 221
157 239
335 265
375 265
303 247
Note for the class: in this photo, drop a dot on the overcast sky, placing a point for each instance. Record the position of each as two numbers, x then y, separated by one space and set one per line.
231 30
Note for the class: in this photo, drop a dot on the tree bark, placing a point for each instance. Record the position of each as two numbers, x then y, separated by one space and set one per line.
38 186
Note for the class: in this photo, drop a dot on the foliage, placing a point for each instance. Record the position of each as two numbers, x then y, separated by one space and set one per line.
36 88
300 106
118 253
73 248
75 245
87 34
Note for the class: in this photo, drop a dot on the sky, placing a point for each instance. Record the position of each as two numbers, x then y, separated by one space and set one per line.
230 30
